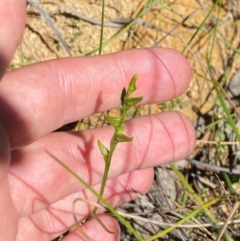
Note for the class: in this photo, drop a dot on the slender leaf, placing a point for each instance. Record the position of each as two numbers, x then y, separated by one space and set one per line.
123 95
119 128
122 138
113 120
132 86
133 101
103 149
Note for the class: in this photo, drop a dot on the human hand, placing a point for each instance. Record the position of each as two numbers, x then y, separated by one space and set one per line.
36 192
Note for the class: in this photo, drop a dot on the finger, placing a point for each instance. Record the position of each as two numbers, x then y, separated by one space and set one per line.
95 231
38 99
9 216
157 140
58 218
12 22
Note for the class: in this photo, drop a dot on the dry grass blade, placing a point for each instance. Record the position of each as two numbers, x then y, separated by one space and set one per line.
49 20
187 225
214 167
235 207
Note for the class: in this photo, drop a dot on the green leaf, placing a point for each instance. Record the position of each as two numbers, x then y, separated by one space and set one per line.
103 149
133 101
132 86
123 95
122 138
121 128
113 120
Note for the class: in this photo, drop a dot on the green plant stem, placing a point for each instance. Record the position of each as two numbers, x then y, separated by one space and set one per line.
123 30
102 27
113 145
201 25
126 103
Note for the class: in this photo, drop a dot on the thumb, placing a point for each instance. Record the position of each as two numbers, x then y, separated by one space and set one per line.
12 21
9 216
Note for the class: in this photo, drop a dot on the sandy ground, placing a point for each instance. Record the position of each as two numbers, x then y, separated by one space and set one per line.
40 43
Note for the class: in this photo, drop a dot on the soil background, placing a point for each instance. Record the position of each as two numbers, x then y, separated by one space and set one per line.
40 43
